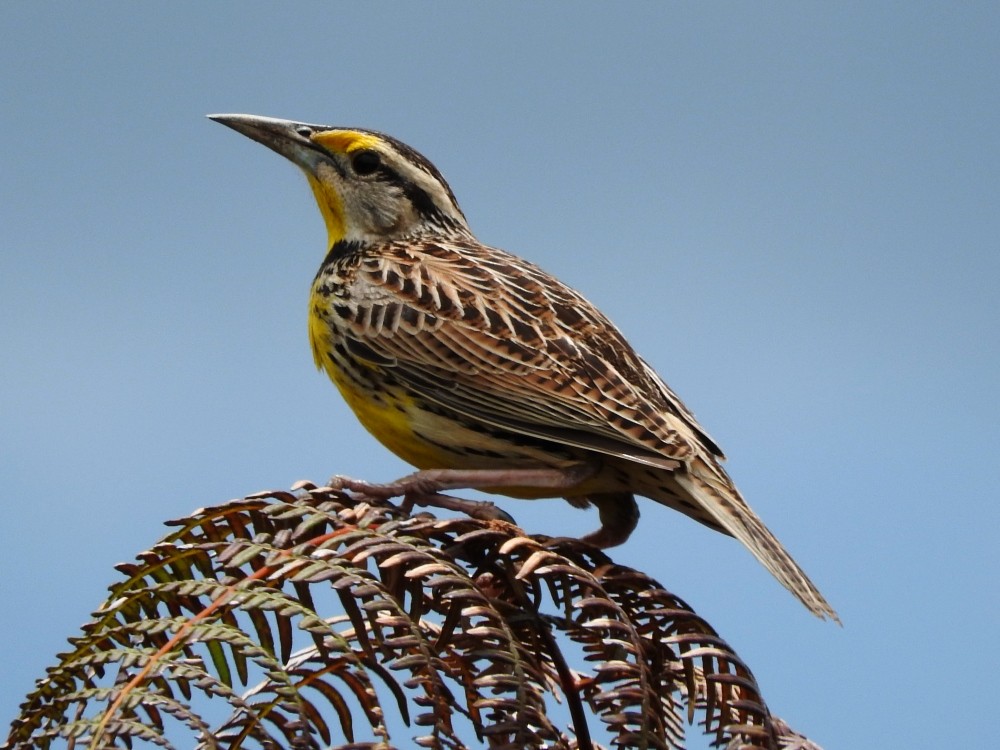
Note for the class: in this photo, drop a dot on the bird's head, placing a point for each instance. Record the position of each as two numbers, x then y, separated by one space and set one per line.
369 186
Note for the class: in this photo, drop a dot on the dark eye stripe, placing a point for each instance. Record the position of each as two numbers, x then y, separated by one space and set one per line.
368 162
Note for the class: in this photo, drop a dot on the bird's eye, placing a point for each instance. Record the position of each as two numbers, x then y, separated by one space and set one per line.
304 131
365 162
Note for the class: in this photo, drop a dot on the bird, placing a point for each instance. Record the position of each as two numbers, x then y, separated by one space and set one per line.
481 369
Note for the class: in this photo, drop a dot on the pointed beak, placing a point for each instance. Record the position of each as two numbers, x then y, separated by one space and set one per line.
288 138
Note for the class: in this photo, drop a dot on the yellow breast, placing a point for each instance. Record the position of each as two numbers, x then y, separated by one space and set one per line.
387 413
387 416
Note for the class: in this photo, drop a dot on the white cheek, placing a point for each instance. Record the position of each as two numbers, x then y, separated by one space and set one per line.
388 213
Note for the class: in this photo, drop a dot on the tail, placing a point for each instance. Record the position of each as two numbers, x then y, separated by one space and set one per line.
706 483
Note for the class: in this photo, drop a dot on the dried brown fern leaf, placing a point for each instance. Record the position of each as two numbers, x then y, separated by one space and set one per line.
362 626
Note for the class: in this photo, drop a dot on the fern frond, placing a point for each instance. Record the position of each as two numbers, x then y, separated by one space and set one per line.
352 618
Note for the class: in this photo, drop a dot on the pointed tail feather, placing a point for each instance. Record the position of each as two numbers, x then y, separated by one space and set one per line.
711 489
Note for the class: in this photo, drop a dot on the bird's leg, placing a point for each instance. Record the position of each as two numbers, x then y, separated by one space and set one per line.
424 487
619 516
431 481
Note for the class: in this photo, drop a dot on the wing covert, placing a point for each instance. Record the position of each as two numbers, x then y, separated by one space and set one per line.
496 339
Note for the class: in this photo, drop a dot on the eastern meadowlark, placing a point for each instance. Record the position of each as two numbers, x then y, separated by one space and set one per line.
484 371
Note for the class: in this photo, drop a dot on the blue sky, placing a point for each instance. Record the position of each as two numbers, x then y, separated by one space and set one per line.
790 209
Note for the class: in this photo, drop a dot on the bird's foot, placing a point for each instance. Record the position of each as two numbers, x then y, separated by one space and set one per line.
424 487
421 490
482 510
